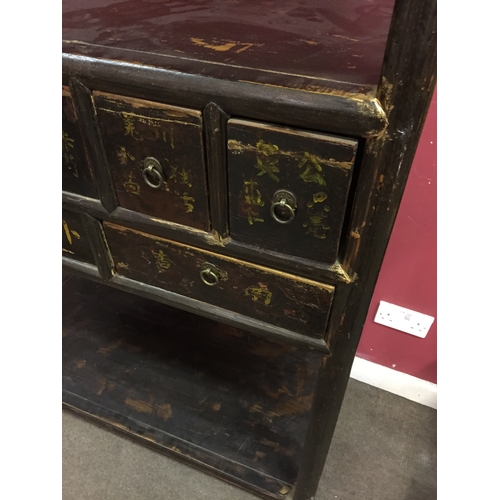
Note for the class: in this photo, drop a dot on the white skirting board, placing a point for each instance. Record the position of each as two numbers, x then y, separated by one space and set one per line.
399 383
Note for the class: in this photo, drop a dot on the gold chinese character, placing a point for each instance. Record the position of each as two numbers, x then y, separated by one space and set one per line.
162 263
253 200
317 225
265 165
260 292
131 186
128 122
124 155
69 232
181 177
187 199
69 159
312 172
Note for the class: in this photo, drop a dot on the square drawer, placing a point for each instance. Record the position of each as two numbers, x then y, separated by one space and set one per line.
156 157
296 304
76 174
288 188
75 244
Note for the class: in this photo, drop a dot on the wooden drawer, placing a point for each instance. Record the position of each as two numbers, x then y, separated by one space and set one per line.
76 174
296 304
140 134
288 188
74 238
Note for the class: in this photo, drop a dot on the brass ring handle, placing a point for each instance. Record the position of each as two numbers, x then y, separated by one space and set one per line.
283 208
152 173
209 274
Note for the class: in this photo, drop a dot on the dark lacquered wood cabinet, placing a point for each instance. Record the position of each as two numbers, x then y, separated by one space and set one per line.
231 172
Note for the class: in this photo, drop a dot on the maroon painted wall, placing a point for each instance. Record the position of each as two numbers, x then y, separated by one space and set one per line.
408 275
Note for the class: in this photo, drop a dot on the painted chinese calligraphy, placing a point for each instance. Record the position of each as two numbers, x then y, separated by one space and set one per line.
252 202
266 165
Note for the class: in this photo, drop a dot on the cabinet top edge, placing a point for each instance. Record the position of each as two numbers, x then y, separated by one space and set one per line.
332 111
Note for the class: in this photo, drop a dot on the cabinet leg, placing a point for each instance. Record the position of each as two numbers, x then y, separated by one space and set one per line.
332 383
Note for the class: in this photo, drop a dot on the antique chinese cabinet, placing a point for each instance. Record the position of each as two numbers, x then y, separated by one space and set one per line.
231 173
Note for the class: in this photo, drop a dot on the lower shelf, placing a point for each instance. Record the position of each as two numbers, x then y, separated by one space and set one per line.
210 394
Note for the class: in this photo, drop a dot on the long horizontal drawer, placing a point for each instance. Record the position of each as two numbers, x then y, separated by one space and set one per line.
296 304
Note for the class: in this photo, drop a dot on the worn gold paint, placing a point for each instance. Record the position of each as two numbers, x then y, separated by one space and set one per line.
292 406
277 448
216 406
111 347
141 103
162 262
259 293
341 273
215 239
261 454
219 48
386 89
101 386
309 42
224 47
365 97
140 406
237 147
131 186
172 141
81 363
121 265
297 280
68 251
164 411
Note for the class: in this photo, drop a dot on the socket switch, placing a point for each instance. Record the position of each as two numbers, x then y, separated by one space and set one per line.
402 319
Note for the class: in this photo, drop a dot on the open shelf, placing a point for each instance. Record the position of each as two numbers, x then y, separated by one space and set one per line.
213 395
318 45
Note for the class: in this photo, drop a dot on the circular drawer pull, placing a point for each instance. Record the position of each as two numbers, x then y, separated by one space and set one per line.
209 274
284 206
152 173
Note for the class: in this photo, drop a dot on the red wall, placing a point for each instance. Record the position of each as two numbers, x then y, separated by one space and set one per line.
408 274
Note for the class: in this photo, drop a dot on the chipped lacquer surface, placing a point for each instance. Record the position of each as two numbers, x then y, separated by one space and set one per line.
316 168
210 392
318 43
74 238
297 304
76 174
134 130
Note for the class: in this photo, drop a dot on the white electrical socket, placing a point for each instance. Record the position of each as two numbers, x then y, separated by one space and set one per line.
402 319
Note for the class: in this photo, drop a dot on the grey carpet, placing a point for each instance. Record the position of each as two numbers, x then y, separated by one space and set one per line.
384 448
